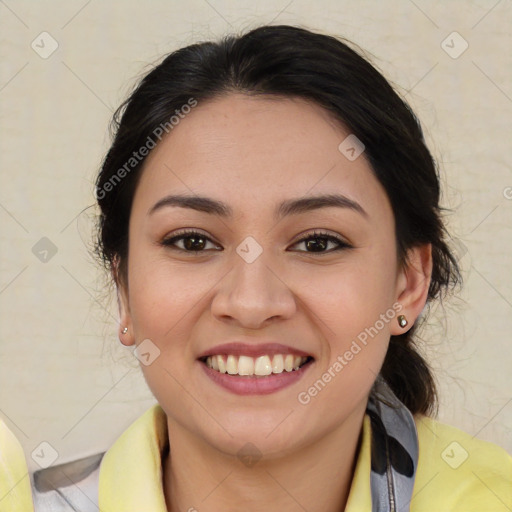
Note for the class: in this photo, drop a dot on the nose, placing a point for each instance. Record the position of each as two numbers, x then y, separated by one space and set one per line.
253 294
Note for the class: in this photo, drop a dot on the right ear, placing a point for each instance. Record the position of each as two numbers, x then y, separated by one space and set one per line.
125 323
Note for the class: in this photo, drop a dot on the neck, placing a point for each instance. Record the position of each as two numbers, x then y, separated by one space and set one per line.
197 476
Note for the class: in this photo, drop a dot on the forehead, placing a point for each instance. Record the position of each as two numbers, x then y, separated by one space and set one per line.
252 150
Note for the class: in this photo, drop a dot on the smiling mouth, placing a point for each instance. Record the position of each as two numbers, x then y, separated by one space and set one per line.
247 366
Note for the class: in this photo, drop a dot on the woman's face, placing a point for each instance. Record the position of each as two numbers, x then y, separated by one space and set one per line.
253 282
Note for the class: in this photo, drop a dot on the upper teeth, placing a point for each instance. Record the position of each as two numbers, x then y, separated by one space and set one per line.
262 365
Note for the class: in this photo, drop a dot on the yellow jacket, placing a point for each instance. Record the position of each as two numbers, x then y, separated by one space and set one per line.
456 472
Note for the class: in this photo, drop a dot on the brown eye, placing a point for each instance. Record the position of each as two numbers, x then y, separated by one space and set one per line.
317 242
192 241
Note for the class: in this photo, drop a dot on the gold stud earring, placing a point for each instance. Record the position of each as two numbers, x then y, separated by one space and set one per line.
402 321
125 330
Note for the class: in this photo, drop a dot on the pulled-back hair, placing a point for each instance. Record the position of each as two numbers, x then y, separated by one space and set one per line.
289 61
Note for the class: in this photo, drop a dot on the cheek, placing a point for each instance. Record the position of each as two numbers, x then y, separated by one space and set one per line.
355 305
164 298
164 301
162 293
352 295
356 311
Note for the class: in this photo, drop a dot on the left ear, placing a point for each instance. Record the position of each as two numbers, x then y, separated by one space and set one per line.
412 284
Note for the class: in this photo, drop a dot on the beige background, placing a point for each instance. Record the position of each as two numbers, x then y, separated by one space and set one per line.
64 377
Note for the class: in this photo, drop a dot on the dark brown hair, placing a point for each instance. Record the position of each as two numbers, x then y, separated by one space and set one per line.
289 61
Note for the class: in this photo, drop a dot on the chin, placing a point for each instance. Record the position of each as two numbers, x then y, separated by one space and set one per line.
270 436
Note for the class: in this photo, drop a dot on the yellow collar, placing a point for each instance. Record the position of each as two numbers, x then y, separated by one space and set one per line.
131 471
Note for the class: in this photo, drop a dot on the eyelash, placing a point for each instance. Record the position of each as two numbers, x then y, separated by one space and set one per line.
169 242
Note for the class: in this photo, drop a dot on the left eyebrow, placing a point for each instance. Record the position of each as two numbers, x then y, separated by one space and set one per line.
306 204
286 208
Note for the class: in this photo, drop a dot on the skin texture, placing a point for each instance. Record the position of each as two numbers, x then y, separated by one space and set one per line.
253 153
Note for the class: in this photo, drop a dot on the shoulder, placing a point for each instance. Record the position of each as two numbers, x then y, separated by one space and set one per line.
69 486
76 485
457 471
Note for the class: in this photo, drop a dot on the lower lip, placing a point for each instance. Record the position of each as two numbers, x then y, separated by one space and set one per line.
252 385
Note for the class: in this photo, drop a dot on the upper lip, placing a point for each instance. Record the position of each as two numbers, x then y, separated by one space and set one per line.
254 349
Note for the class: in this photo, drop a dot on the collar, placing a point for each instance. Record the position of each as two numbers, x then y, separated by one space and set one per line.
130 476
131 470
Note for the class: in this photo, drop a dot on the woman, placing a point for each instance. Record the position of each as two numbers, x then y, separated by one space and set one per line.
270 216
